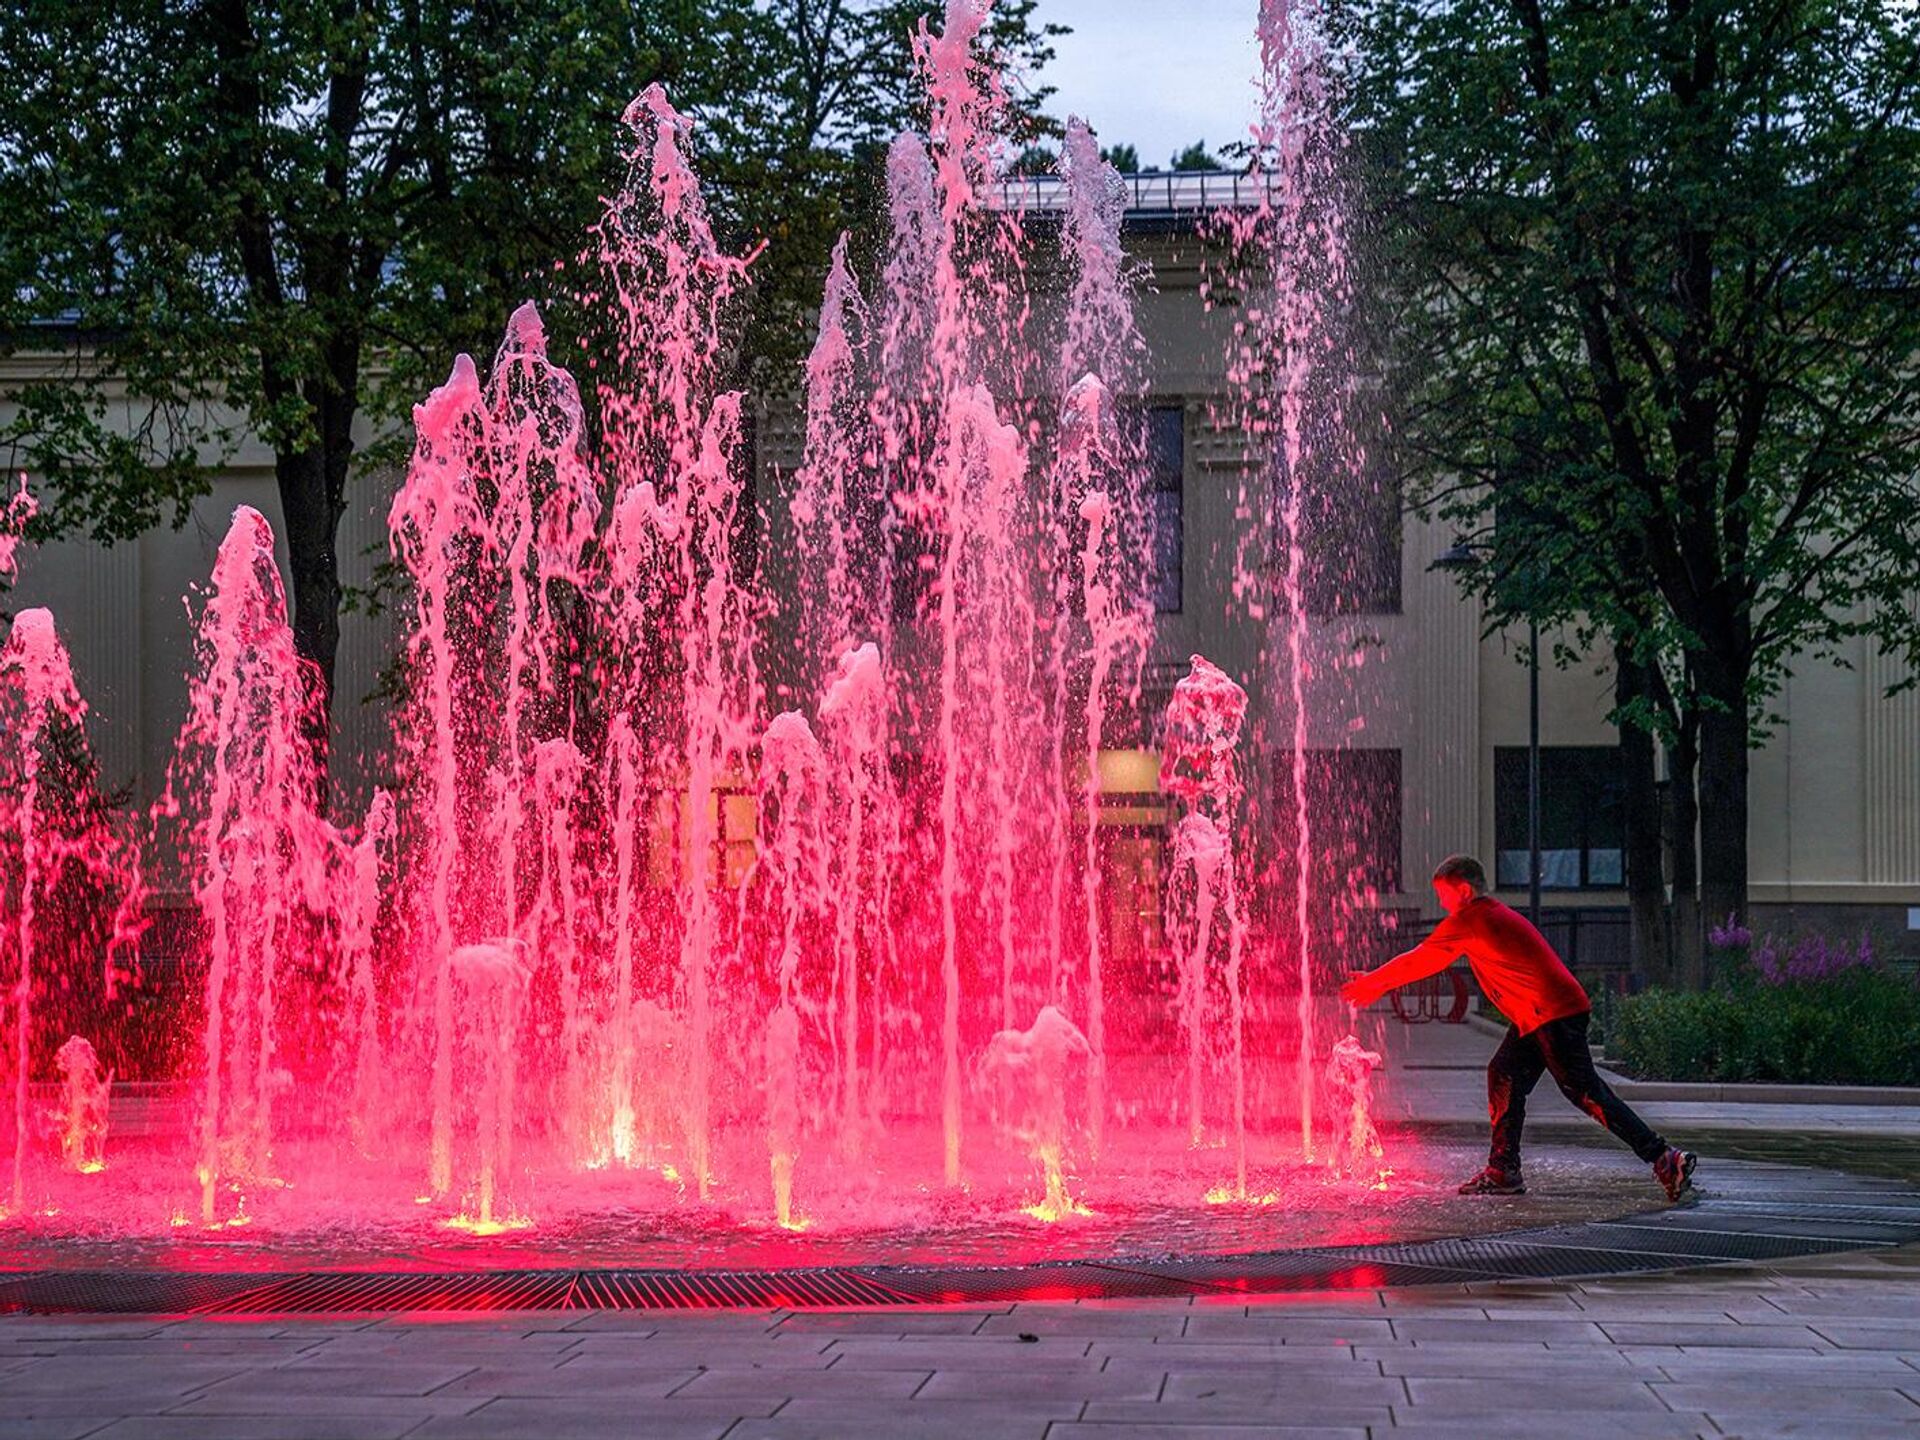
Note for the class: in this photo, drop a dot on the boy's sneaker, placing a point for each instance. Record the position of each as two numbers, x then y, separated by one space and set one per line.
1495 1182
1674 1171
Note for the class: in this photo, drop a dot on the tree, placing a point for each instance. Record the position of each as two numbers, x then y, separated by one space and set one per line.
1654 268
285 219
795 154
1034 160
1124 158
1195 157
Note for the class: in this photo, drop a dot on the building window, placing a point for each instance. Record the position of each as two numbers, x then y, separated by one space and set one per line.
1582 817
1166 495
1351 559
745 462
1354 810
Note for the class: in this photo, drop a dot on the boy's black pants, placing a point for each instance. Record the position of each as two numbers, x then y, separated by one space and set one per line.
1558 1047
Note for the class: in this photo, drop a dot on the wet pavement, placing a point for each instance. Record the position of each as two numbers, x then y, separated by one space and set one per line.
1786 1344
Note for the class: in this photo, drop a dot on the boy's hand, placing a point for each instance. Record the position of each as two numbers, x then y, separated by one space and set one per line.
1359 991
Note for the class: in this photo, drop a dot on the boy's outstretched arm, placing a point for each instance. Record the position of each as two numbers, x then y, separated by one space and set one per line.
1426 958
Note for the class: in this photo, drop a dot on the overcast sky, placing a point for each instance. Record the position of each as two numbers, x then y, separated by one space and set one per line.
1155 74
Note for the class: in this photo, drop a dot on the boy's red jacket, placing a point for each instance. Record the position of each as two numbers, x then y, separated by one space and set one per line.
1516 969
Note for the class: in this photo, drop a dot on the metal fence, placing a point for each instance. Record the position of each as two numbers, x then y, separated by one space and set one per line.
1173 192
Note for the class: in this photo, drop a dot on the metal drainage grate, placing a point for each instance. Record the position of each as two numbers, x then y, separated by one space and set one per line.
338 1293
118 1292
723 1290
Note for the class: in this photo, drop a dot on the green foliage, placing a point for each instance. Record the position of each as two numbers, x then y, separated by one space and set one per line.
284 220
1855 1028
1195 157
1656 272
1124 158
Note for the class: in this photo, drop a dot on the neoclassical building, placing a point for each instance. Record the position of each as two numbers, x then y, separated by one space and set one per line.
1427 738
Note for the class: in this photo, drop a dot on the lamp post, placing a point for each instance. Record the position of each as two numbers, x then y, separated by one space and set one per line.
1461 557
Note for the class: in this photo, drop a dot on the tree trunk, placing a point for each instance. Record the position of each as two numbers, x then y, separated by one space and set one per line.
1646 882
1724 734
312 519
1683 853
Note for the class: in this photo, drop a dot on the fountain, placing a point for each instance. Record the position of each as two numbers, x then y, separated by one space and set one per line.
83 1111
69 883
693 871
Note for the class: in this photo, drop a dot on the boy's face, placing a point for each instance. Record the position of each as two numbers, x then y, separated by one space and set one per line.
1452 894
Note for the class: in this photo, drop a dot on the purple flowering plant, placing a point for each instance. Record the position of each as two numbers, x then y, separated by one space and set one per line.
1813 957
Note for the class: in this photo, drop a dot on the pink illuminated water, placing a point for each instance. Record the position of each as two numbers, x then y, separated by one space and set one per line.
770 883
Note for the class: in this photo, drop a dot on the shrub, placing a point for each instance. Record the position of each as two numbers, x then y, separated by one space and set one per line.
1854 1025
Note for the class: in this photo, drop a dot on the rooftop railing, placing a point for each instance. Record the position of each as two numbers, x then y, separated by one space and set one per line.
1172 192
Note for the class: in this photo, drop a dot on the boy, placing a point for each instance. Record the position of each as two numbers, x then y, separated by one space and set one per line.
1519 973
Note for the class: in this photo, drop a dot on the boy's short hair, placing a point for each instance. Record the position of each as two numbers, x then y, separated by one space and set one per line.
1463 867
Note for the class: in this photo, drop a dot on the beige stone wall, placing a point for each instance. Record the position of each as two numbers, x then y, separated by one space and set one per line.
125 614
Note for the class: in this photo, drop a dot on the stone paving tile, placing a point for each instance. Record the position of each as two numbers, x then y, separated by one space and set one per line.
1044 1380
1547 1332
1350 1302
1535 1310
103 1404
1265 1385
313 1327
1865 1400
1299 1329
1267 1326
1897 1313
1776 1377
1862 1335
69 1427
1518 1352
889 1322
1539 1395
1079 1320
1705 1333
667 1353
418 1344
1658 1289
783 1426
1752 1357
556 1420
717 1324
1462 1361
1305 1413
1650 1359
396 1377
1210 1355
794 1384
1747 1310
263 1395
258 1427
147 1376
796 1350
997 1419
606 1381
82 1327
939 1353
101 1352
1146 1430
1531 1425
1770 1425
